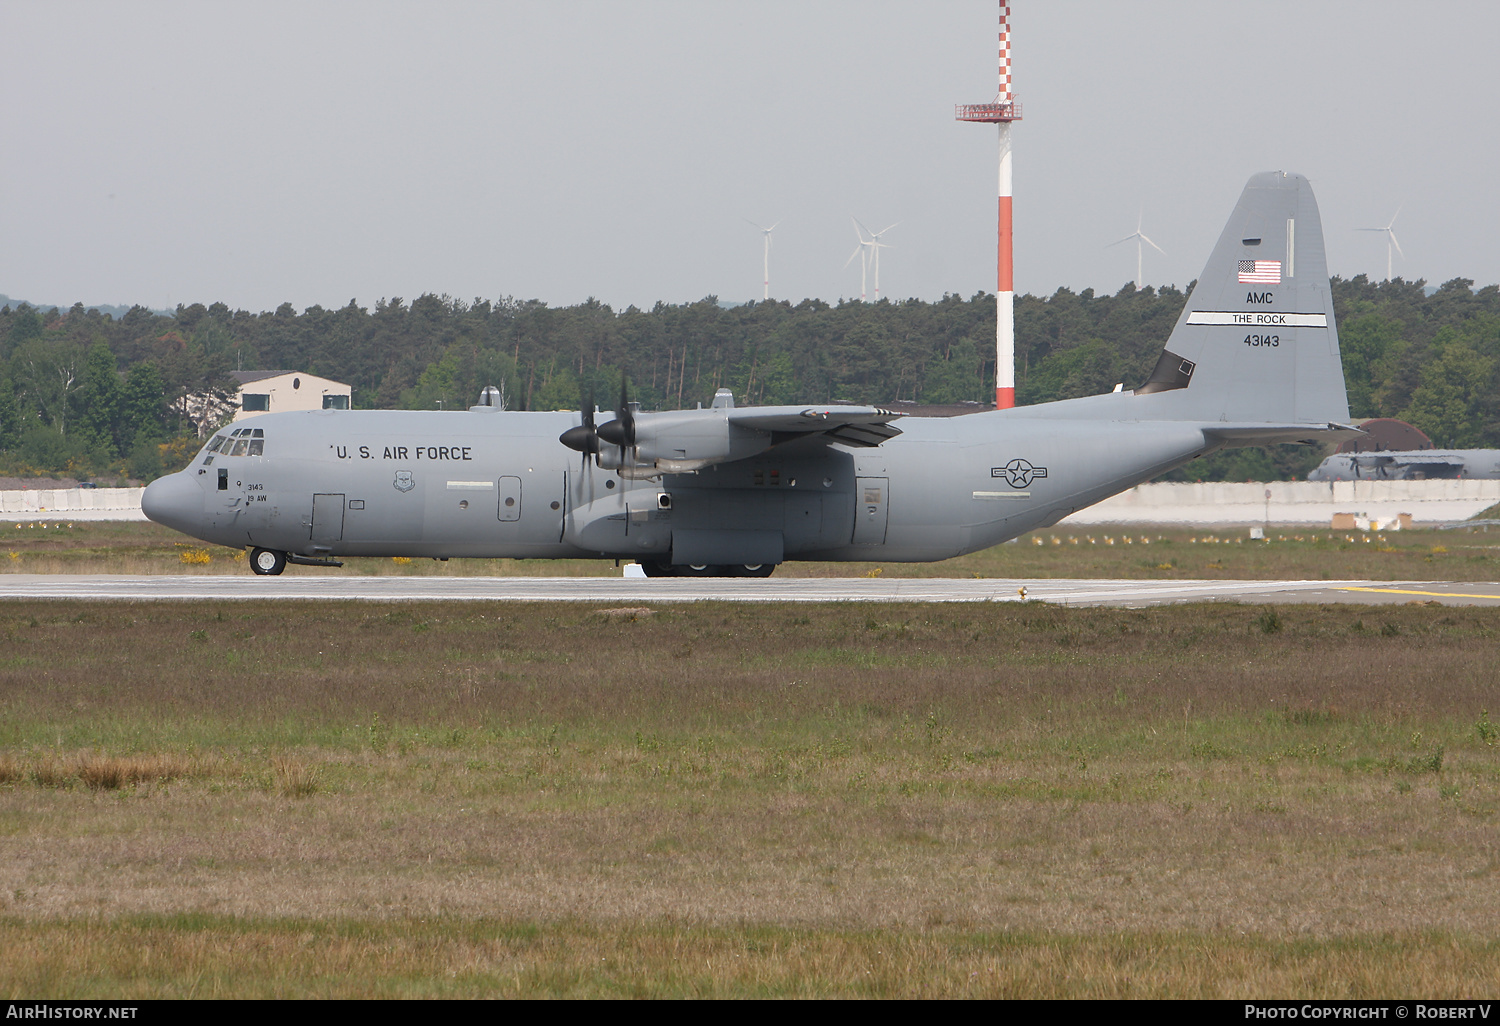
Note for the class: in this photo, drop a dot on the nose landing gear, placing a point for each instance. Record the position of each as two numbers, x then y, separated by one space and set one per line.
267 562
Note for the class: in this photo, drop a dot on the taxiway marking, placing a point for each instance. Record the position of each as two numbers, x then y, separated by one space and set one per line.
1433 594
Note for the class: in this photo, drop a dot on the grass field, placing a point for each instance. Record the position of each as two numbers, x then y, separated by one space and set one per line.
341 799
1140 553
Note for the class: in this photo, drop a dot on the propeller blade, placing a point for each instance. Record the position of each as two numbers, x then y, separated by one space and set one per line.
1396 244
626 415
1154 245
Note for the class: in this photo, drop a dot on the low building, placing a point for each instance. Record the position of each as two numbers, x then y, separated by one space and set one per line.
278 391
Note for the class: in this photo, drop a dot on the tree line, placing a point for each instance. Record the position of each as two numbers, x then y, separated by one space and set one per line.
88 393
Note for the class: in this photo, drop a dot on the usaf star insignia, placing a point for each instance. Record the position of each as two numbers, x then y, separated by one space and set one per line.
1018 473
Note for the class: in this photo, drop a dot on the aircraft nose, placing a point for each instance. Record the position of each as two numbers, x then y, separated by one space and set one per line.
174 501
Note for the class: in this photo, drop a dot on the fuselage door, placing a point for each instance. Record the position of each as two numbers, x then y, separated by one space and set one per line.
328 518
510 498
871 508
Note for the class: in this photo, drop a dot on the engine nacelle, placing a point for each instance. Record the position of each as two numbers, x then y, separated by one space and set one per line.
679 442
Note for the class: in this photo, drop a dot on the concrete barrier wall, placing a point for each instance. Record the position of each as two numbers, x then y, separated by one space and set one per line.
1292 502
88 503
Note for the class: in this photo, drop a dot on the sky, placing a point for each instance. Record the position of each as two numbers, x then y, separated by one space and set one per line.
317 152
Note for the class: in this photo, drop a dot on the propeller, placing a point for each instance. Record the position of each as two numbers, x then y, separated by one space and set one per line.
621 430
584 438
587 438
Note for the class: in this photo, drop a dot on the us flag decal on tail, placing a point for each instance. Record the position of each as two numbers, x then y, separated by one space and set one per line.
1260 272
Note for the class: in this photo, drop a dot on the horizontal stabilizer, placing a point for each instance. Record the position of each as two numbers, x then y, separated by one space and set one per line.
1232 435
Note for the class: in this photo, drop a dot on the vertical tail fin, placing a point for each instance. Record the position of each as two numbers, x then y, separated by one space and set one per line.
1257 340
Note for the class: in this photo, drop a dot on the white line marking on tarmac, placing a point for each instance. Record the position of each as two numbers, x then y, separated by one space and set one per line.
604 589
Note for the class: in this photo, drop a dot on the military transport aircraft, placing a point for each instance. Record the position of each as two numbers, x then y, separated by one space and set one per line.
727 491
1409 465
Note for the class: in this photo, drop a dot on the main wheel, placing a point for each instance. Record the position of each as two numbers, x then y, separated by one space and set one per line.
267 562
657 569
753 569
699 570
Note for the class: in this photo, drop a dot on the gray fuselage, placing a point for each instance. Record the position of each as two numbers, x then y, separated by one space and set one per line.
490 483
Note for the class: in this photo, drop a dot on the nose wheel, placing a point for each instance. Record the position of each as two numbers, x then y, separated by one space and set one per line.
267 562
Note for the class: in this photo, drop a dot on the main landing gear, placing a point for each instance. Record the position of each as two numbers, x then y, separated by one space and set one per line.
708 570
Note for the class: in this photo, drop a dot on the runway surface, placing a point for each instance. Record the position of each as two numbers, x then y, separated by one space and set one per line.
636 590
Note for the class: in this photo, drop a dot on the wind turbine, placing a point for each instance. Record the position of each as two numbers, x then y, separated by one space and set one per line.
1390 240
875 247
1139 238
767 233
863 252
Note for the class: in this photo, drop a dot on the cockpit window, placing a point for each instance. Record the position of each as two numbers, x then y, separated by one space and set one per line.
239 442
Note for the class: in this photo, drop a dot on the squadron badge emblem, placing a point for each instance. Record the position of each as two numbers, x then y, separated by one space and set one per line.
404 481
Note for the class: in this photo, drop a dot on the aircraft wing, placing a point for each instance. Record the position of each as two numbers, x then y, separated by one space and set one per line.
645 445
865 426
1376 459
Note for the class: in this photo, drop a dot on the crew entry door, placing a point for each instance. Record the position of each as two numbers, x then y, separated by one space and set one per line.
871 509
328 519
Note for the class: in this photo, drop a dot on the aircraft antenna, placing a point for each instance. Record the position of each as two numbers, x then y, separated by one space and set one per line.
1002 112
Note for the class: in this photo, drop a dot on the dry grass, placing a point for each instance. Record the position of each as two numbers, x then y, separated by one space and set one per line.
294 779
209 956
723 799
102 772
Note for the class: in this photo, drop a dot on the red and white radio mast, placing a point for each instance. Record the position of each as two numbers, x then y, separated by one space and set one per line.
1002 112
